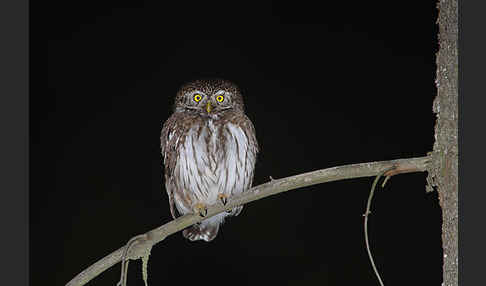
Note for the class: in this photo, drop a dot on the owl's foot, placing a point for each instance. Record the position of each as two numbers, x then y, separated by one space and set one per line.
201 209
223 198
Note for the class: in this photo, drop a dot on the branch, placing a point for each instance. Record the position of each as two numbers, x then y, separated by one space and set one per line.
144 242
367 213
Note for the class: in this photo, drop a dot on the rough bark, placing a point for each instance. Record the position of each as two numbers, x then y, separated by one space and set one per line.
443 172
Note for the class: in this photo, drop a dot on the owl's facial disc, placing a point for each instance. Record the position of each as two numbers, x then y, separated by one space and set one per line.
219 101
209 97
195 100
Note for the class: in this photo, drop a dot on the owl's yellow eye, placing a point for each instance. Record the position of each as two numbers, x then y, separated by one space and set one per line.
220 98
197 97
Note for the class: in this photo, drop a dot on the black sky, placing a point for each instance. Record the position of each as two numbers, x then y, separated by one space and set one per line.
324 85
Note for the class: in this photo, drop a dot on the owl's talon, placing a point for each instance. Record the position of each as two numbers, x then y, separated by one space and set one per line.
223 198
201 209
203 213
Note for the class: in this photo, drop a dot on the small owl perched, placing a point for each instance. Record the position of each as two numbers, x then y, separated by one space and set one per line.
209 150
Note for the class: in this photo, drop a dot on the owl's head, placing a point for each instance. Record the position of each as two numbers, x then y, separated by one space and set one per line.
209 97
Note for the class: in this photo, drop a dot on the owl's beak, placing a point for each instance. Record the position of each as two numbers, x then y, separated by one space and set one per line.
208 107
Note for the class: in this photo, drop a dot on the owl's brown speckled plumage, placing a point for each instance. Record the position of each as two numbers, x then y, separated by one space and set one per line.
209 149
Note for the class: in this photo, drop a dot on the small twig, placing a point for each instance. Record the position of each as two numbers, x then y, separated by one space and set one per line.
384 181
126 259
123 272
367 212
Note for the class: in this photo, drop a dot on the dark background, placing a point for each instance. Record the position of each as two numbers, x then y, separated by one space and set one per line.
324 85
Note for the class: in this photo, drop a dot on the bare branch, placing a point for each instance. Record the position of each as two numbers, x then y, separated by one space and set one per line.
144 242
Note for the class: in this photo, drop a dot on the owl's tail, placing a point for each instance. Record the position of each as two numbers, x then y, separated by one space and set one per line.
201 232
205 230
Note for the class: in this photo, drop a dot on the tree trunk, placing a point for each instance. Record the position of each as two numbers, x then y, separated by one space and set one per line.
443 173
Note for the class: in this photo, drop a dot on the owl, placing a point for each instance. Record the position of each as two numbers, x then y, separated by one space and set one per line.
209 149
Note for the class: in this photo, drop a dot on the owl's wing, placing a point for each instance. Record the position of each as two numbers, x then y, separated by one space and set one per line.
169 139
253 146
245 124
250 134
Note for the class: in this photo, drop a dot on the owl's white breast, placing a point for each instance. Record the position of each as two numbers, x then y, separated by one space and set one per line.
214 159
